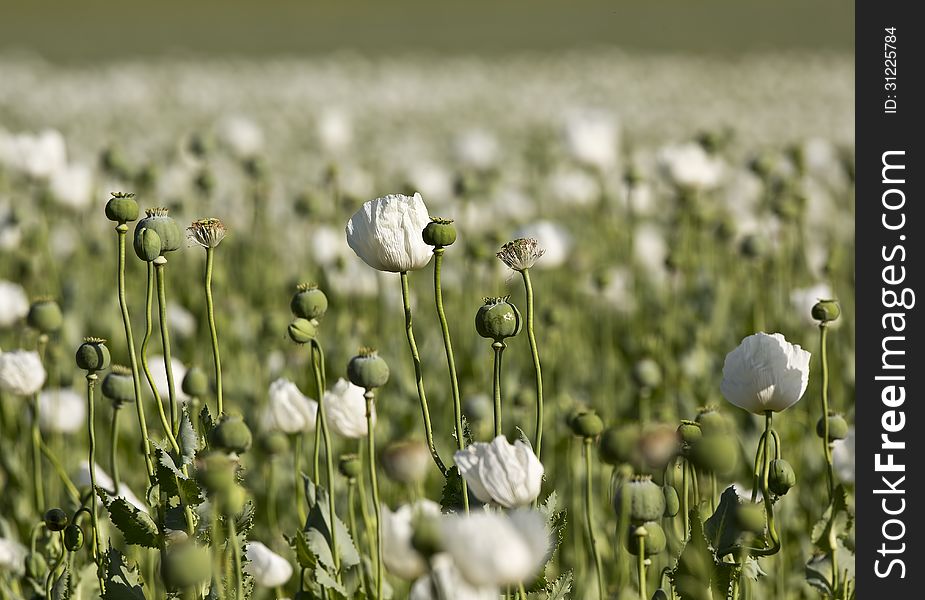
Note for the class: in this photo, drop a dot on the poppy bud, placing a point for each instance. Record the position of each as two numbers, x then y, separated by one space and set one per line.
712 422
838 427
231 434
185 564
750 517
781 477
215 471
231 501
73 537
715 454
118 386
586 424
672 500
689 432
645 499
439 232
45 316
274 443
147 244
122 208
619 444
195 383
350 466
654 535
826 311
56 519
302 331
498 319
367 369
92 355
309 302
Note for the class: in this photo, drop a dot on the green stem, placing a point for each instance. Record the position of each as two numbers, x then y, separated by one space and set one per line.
418 372
451 364
364 512
236 558
272 517
589 517
374 483
113 447
210 309
826 446
531 336
72 490
130 341
149 329
641 565
498 347
316 360
354 531
91 415
165 341
297 478
685 510
38 485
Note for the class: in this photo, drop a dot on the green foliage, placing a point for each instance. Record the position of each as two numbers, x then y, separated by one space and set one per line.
137 527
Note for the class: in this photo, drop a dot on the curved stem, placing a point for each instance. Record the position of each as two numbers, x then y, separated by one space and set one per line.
210 309
316 360
149 329
826 446
418 373
91 429
165 342
498 347
374 483
130 342
451 364
113 447
531 336
589 517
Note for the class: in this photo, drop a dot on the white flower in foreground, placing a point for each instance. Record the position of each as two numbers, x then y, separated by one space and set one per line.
397 528
387 233
501 472
159 373
591 138
445 582
554 239
288 409
62 411
843 457
766 372
14 303
12 555
21 372
268 568
104 481
689 166
497 549
346 409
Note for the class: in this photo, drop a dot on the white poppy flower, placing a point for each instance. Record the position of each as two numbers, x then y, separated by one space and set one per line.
37 155
445 581
843 457
288 409
477 148
500 472
104 481
159 373
180 320
14 303
268 568
335 129
21 372
765 372
397 528
72 186
242 136
803 299
12 555
591 138
345 406
497 549
387 233
689 166
62 411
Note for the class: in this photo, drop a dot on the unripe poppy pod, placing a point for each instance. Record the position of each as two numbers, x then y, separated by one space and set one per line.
195 383
56 519
652 533
350 466
439 232
159 221
716 454
781 477
498 319
712 422
45 316
645 498
231 434
118 385
826 311
92 355
185 564
122 208
309 302
586 424
302 331
750 517
619 444
147 244
838 427
368 370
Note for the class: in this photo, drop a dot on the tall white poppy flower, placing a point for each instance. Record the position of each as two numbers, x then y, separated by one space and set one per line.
765 372
268 568
397 528
14 303
21 372
288 409
497 549
507 474
387 233
346 409
445 581
62 411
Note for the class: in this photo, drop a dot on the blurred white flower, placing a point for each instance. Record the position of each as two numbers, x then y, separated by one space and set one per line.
433 181
553 238
689 166
327 246
574 187
397 528
37 155
268 568
12 555
477 148
843 457
353 279
765 372
345 407
496 548
507 474
335 129
159 373
288 409
181 321
62 410
103 480
445 582
802 300
241 135
592 138
21 372
72 186
387 233
14 303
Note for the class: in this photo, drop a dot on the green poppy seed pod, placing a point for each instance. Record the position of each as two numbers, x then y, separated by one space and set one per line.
838 427
118 386
185 564
231 434
45 316
672 500
122 208
350 466
36 566
712 422
715 454
215 471
619 444
368 370
274 443
406 462
646 500
195 383
647 373
689 432
426 537
781 477
147 244
498 319
56 519
92 355
654 535
586 424
750 517
231 502
158 220
826 311
439 232
309 302
660 594
73 537
302 331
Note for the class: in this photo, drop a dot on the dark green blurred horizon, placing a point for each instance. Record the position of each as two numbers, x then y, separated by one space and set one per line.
102 30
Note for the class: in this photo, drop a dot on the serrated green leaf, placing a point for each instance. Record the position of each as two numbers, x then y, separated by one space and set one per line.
560 588
61 590
327 581
835 523
206 422
693 571
451 499
318 531
122 580
137 527
188 440
720 529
